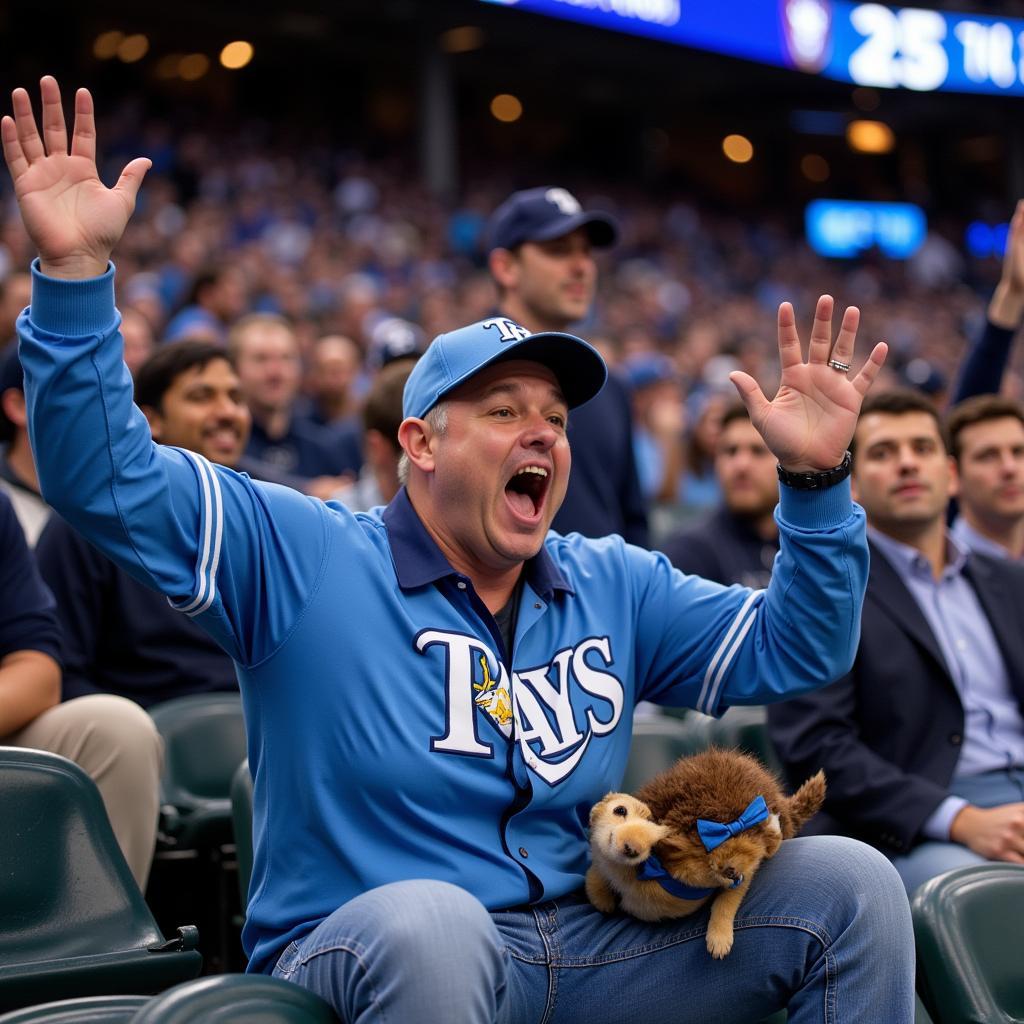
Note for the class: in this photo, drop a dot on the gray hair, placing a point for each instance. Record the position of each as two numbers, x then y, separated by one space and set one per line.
437 420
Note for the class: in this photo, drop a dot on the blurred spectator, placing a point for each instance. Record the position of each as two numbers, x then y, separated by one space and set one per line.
658 421
15 294
113 740
377 482
334 366
266 358
119 636
217 298
738 542
923 742
986 438
394 338
18 478
541 259
699 488
139 341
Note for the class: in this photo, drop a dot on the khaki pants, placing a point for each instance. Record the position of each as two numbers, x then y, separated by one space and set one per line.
116 744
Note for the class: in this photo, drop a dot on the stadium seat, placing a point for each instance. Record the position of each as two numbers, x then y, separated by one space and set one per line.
236 999
746 729
659 741
969 933
204 739
90 1010
241 814
72 920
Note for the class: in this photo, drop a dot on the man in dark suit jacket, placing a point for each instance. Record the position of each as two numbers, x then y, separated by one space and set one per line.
923 742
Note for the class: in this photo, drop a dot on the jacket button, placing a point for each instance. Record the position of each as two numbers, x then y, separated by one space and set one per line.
956 739
523 852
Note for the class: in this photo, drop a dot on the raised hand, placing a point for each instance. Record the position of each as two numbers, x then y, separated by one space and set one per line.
72 217
1006 308
809 423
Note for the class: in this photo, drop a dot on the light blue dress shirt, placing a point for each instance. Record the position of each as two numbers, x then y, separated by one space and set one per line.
993 725
968 537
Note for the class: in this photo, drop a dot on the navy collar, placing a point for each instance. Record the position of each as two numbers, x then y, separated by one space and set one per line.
419 561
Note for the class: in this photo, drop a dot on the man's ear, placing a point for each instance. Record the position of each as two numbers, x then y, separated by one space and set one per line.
156 421
417 441
14 407
504 267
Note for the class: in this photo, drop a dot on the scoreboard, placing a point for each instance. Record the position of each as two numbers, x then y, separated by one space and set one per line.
867 44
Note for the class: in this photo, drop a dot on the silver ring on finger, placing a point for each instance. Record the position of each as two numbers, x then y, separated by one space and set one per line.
837 365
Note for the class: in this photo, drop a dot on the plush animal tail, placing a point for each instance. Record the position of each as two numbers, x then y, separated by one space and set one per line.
803 805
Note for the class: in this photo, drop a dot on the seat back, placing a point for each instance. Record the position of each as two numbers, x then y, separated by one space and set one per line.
969 929
241 817
65 888
658 742
204 741
90 1010
72 920
237 999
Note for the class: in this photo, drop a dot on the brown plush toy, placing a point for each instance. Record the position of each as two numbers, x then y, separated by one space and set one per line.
699 830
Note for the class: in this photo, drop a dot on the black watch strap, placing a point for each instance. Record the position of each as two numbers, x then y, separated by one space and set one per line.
817 481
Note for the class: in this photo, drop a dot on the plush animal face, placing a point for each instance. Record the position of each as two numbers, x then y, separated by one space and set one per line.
685 858
621 829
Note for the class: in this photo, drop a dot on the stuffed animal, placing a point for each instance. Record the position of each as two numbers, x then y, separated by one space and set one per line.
696 832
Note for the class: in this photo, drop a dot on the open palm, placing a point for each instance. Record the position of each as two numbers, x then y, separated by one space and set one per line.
72 217
809 423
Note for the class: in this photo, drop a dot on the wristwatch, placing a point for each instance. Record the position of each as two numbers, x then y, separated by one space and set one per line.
817 481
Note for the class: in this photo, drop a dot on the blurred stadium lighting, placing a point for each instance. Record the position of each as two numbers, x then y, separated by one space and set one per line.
463 39
738 148
106 44
236 54
846 228
167 67
506 107
984 240
814 168
133 48
193 66
870 137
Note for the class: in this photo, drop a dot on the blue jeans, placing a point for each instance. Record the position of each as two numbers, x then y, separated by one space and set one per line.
931 858
824 930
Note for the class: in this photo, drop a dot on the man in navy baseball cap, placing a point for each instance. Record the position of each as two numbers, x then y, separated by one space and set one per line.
541 257
541 214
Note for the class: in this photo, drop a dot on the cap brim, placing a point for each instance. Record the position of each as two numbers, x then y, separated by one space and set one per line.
577 365
602 229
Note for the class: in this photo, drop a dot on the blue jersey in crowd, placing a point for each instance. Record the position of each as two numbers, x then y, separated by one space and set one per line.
391 735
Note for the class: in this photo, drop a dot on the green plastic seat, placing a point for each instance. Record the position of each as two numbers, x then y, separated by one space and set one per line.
204 741
72 920
658 742
746 729
90 1010
969 928
241 813
237 999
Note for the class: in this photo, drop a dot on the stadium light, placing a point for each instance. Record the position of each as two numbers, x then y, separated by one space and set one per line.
133 48
738 148
236 54
815 168
506 108
106 43
870 137
193 66
463 39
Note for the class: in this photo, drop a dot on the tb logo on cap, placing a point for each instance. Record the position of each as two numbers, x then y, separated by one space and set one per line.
566 202
509 329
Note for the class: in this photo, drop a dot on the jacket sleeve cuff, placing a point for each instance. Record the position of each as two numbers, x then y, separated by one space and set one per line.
815 510
72 309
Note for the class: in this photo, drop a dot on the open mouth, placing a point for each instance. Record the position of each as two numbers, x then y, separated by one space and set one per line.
527 490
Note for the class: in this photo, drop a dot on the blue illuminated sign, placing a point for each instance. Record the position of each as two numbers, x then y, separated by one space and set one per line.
862 43
845 228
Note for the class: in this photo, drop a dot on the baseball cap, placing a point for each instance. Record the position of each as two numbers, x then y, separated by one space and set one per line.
452 359
394 338
540 214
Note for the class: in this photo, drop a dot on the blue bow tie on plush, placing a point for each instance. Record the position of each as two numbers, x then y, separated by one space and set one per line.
652 870
714 833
